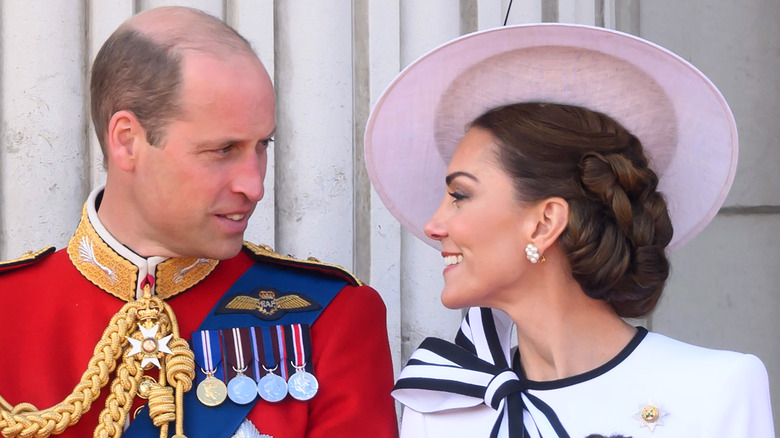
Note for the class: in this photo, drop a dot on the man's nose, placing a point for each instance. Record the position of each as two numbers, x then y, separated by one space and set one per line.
251 174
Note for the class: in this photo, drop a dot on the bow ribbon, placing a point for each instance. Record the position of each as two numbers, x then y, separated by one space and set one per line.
476 369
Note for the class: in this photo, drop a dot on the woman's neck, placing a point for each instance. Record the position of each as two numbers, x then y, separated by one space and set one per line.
562 332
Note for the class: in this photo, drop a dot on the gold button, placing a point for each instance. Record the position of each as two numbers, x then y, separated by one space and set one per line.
145 386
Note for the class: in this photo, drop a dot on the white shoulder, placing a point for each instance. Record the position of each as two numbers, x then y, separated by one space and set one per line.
746 385
734 386
684 354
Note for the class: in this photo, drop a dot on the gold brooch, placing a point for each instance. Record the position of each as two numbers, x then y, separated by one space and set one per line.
650 415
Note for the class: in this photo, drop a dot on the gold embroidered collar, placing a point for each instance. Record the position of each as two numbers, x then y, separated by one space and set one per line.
119 271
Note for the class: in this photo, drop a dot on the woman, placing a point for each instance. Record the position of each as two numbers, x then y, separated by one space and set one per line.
555 226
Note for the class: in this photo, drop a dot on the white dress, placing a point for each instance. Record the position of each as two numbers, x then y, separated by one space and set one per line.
686 391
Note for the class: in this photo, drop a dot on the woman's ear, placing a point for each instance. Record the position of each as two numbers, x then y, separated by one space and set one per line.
552 216
122 139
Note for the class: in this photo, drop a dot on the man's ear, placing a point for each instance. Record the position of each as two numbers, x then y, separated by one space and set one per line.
123 140
552 216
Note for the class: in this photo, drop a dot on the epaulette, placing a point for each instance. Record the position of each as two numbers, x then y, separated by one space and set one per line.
266 253
26 259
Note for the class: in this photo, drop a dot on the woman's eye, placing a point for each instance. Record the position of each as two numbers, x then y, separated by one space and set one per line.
267 141
457 196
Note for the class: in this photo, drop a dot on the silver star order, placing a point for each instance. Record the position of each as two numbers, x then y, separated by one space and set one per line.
161 345
248 430
650 415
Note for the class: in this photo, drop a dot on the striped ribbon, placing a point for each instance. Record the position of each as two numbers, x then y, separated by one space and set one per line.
208 353
476 369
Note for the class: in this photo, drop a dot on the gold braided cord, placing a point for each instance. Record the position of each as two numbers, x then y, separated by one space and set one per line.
120 400
180 371
26 421
162 404
4 405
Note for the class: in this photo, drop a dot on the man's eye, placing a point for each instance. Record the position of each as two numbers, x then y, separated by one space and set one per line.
224 150
267 141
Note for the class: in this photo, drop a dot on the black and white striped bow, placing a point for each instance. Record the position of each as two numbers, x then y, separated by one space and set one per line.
476 369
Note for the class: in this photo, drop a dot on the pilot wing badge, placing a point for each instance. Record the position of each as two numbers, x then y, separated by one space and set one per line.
267 304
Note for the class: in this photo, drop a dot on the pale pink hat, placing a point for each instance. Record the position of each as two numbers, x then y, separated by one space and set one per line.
682 120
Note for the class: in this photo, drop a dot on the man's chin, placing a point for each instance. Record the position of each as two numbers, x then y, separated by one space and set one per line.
226 250
216 249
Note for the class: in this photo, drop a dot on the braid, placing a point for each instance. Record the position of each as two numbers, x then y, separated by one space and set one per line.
622 260
618 225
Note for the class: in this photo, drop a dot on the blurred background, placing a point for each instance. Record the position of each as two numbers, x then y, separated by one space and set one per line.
330 61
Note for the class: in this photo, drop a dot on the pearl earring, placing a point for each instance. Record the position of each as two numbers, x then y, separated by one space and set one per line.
532 252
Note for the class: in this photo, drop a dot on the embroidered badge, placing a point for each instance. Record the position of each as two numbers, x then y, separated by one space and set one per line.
87 255
267 304
650 415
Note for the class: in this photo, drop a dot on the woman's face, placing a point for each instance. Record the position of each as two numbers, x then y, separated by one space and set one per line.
483 230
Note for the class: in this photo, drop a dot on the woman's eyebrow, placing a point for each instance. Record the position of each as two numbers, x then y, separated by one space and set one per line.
454 175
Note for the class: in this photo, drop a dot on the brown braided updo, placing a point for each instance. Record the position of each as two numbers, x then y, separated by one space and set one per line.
618 225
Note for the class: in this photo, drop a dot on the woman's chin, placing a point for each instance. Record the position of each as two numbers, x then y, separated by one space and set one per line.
452 301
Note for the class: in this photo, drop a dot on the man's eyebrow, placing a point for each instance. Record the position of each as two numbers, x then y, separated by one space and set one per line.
454 175
215 143
222 142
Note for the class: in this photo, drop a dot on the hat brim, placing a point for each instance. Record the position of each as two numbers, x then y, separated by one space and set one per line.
682 120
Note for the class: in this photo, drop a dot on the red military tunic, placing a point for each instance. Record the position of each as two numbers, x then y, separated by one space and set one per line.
52 316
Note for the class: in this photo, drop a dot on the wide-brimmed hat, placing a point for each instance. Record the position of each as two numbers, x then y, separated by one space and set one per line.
682 120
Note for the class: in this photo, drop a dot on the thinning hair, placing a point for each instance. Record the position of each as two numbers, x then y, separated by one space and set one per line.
139 67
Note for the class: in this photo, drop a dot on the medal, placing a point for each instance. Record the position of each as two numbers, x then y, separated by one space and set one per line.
302 385
211 391
271 387
241 389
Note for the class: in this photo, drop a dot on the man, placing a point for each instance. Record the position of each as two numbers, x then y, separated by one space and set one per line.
184 111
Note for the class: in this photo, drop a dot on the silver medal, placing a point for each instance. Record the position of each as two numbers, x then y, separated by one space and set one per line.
302 385
242 389
272 388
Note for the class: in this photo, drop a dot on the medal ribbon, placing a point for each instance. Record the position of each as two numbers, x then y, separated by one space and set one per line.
300 343
300 356
238 350
206 347
266 344
257 347
282 342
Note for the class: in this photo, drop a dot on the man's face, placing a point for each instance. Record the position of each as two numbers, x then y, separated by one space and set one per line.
196 191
